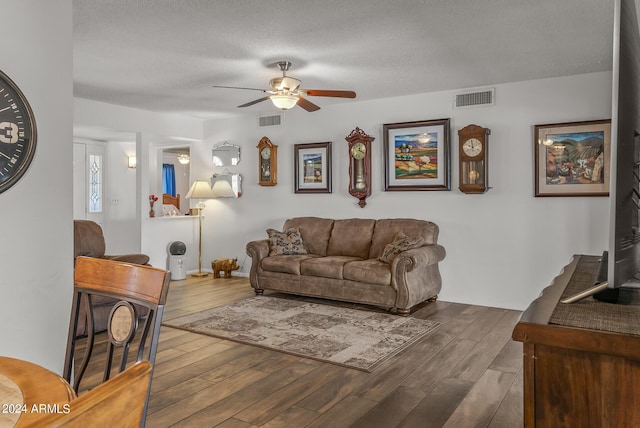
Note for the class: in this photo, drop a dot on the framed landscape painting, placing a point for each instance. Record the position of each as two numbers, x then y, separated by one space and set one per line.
573 159
312 166
417 155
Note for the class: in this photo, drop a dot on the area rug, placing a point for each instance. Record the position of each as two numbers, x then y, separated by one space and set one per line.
345 336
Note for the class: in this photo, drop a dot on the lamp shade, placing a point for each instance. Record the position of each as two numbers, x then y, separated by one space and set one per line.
284 102
200 190
222 189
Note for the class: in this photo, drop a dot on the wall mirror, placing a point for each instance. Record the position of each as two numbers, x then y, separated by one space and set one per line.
227 185
175 176
226 155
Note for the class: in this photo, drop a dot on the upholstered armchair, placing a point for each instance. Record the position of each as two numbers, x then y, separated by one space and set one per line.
88 240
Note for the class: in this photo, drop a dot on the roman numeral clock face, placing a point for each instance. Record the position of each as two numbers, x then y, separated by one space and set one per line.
17 133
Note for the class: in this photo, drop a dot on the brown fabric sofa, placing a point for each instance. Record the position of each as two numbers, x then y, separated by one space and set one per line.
342 262
88 240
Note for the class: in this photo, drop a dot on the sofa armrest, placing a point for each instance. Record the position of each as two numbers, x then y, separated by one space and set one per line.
415 274
257 250
409 260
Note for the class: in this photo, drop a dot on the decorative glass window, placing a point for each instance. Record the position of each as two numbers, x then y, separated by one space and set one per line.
95 183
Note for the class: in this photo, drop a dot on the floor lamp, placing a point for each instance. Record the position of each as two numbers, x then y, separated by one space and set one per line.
200 190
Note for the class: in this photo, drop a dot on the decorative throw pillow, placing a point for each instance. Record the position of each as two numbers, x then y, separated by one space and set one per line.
284 243
400 243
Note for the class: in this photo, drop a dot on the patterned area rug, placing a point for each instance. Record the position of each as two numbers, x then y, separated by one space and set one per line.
344 336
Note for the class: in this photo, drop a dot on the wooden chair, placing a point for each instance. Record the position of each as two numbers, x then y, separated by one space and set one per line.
137 289
120 402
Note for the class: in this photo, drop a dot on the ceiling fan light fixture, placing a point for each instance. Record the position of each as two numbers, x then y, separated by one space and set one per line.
284 101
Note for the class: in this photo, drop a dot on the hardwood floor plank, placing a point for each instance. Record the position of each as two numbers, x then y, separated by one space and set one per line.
235 423
479 406
510 411
393 409
482 324
274 404
391 375
437 407
186 407
247 358
509 359
476 362
228 405
193 365
292 417
440 366
331 393
344 414
163 398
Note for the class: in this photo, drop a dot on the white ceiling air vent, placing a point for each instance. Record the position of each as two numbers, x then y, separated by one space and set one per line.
475 98
270 120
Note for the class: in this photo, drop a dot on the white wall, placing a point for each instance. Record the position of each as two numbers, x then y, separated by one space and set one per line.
37 235
503 247
121 228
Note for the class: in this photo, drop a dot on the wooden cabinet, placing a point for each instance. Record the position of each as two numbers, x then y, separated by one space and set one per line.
577 377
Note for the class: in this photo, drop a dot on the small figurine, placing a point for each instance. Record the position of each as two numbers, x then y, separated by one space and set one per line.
224 265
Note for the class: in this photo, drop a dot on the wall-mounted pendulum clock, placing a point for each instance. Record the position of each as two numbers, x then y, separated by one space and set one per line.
267 163
359 165
473 157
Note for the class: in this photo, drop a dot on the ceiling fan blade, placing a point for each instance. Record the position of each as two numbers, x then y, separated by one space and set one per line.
335 94
254 102
237 87
307 105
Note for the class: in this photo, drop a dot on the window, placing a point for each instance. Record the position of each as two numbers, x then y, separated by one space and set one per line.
95 183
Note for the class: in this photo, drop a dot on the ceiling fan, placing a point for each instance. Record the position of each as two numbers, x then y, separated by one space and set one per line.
285 92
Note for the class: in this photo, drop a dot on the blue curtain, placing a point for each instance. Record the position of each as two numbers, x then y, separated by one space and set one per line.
168 179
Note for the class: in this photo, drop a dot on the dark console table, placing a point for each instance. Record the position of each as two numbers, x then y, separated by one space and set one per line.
576 375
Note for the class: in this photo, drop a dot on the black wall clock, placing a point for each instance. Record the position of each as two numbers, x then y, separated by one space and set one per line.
17 133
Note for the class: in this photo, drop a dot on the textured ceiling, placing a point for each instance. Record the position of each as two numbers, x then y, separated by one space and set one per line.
165 55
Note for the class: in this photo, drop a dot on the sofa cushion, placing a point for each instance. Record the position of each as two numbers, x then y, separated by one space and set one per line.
315 232
370 271
401 243
351 237
284 264
288 242
326 267
386 230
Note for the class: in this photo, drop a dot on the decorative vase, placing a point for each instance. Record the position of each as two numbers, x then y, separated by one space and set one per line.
152 213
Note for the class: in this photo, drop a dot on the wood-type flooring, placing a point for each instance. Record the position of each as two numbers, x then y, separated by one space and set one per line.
468 373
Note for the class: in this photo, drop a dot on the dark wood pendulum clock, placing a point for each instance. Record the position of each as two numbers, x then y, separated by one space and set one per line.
359 165
473 157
